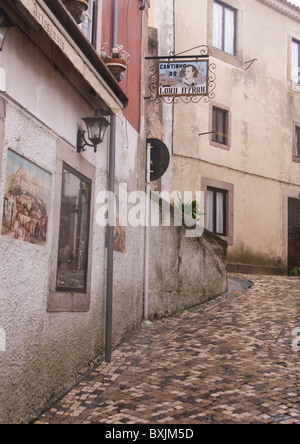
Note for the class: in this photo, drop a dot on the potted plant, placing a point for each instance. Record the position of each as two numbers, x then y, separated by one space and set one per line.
76 8
116 60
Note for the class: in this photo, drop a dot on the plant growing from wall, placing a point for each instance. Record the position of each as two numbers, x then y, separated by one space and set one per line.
152 42
190 209
295 271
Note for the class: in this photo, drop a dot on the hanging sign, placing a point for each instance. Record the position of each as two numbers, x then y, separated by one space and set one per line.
160 158
183 78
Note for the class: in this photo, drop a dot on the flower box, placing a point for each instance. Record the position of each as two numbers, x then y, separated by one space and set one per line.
76 8
117 67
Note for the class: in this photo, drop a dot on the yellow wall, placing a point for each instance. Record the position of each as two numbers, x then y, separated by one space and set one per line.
151 13
263 106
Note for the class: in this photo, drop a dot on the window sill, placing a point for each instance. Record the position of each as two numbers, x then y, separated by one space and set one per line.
293 86
220 145
60 302
226 57
228 239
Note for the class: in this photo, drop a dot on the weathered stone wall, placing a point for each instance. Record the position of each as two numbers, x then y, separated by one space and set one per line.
184 272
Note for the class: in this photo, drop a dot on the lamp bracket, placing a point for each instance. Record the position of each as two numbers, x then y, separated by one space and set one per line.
82 142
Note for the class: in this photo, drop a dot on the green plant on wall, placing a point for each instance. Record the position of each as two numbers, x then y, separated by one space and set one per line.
295 271
152 42
190 209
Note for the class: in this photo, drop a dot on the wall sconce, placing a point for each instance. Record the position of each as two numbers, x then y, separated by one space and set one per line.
5 24
96 128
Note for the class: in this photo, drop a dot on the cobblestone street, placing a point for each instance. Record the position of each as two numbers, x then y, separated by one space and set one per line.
228 361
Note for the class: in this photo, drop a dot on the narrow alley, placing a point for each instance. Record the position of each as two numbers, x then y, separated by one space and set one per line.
234 360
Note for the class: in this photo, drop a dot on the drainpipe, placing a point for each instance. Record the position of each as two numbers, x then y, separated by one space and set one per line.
147 240
111 189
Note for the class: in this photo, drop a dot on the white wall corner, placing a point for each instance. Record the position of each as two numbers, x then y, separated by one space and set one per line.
2 79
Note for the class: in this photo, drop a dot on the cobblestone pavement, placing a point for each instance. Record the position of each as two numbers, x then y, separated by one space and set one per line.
228 361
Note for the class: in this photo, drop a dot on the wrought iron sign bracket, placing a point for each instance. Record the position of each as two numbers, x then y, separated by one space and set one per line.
175 77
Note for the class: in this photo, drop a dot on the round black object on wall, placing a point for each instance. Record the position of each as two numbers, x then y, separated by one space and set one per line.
160 158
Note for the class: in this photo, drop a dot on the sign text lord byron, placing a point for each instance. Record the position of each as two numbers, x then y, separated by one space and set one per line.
186 78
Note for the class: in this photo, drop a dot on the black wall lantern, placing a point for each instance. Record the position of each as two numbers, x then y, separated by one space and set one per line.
5 24
96 128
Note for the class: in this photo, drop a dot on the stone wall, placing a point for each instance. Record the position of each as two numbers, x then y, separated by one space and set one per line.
184 271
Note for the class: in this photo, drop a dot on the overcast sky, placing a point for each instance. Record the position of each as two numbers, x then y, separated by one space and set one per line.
296 2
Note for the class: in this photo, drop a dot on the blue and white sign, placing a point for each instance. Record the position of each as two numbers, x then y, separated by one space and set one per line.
184 78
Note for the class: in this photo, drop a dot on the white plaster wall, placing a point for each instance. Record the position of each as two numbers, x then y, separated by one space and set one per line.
45 352
129 266
33 88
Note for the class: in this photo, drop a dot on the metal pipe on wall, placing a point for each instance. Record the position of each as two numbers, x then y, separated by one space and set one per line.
111 188
147 233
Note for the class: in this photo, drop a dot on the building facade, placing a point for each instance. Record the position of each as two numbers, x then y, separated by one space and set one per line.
72 164
240 147
52 249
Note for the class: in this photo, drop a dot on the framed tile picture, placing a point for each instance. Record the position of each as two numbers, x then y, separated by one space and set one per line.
26 200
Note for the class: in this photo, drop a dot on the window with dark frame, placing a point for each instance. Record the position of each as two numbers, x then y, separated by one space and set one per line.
297 141
88 26
216 211
224 32
296 62
72 263
220 125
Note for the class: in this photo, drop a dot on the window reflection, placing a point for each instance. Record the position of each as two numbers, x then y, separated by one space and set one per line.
74 232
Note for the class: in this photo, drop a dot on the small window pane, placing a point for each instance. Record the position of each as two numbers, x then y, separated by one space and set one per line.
295 62
216 211
229 36
218 26
220 213
74 232
87 25
220 126
210 210
297 141
224 28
